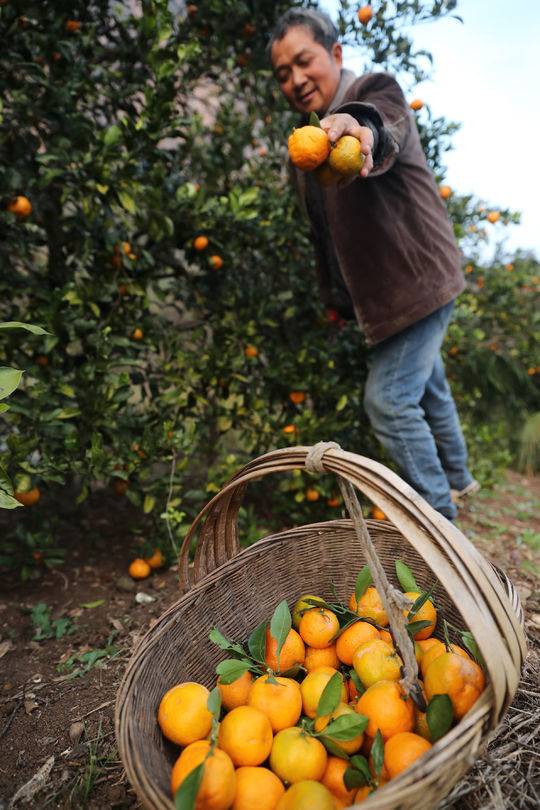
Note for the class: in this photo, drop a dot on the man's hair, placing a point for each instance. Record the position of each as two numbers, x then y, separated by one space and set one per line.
318 22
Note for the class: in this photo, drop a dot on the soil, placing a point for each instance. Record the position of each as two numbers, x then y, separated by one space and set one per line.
57 694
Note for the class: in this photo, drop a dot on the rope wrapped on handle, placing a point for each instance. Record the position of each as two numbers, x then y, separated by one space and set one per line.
393 600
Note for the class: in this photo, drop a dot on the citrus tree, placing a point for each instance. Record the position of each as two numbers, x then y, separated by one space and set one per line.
147 225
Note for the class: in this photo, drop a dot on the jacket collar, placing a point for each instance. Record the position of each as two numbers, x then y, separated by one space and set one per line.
346 79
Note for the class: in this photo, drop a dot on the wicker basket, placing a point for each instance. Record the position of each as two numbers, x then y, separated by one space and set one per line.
236 591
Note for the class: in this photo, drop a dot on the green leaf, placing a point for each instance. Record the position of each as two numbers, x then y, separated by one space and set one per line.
439 716
112 135
377 752
415 627
360 764
314 120
363 581
95 604
224 644
149 503
72 298
357 682
346 727
332 747
405 577
4 407
419 603
185 796
7 501
358 774
470 644
214 702
127 202
342 401
231 669
9 380
36 330
257 642
330 696
280 625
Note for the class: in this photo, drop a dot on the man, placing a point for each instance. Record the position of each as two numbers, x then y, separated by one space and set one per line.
384 243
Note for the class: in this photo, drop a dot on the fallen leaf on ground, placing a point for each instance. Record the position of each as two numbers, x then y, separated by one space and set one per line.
75 732
34 785
5 647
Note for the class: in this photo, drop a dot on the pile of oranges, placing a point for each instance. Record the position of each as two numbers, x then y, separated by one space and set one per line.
310 713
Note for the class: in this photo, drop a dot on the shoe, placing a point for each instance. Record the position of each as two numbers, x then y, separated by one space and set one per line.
458 494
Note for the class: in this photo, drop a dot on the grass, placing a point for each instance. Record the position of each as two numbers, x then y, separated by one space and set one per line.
100 753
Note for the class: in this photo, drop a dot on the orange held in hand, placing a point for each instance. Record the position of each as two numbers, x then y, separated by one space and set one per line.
183 714
309 146
346 157
218 785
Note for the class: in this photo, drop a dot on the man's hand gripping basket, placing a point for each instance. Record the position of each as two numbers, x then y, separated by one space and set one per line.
237 589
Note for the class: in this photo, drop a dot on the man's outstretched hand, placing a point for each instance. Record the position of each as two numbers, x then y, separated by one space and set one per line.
344 124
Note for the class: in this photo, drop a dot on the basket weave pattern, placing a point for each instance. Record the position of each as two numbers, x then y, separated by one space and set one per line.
236 591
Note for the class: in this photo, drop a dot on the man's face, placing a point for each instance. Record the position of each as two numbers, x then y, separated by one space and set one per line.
307 73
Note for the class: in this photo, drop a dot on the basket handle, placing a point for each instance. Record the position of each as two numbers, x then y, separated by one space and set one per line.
216 541
467 577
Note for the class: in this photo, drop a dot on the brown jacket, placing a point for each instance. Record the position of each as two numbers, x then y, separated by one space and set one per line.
388 236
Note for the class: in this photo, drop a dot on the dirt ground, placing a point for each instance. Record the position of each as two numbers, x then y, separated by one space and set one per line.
57 694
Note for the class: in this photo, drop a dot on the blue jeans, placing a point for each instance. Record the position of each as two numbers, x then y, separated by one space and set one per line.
413 414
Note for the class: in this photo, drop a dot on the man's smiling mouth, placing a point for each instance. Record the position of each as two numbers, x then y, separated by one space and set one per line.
306 96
